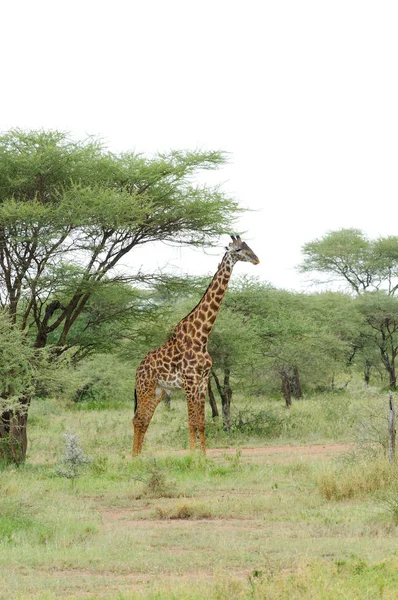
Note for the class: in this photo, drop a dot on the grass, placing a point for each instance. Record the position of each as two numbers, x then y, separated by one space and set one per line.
174 525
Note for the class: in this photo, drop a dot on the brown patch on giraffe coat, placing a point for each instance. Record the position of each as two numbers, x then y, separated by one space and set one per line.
214 306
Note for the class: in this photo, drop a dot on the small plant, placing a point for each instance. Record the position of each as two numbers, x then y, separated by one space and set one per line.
233 460
74 459
155 483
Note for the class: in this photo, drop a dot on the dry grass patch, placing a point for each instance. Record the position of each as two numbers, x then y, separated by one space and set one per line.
356 478
183 511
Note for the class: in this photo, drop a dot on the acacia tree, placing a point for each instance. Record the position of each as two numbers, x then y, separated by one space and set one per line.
380 329
367 266
70 211
350 256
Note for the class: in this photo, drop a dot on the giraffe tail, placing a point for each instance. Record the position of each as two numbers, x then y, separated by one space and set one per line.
135 400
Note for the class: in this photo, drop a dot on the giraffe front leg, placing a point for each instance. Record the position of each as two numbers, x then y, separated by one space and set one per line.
138 438
192 436
192 417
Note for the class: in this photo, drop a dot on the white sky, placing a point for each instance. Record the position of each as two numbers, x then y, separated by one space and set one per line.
302 94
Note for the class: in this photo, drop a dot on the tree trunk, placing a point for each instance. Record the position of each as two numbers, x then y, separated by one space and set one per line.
225 392
286 388
296 383
391 429
43 327
393 379
390 368
226 401
368 368
212 401
13 436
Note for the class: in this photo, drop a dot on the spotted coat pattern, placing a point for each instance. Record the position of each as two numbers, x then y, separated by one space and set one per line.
183 360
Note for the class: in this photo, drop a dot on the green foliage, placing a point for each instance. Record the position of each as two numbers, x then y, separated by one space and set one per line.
267 423
100 382
233 345
362 263
70 211
16 363
291 332
15 526
156 484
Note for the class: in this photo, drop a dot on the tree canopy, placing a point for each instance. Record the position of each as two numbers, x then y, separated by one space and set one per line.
70 211
350 256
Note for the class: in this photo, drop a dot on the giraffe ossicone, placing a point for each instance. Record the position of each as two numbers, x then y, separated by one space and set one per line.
183 360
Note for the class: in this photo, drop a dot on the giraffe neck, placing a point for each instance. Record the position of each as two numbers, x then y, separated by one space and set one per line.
207 310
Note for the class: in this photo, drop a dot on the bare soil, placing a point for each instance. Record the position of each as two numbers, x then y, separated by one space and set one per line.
289 451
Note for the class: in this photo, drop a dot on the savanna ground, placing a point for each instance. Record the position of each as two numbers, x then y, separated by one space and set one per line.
288 505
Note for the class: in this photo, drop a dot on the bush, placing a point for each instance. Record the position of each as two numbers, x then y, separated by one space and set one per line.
100 383
156 484
73 460
267 423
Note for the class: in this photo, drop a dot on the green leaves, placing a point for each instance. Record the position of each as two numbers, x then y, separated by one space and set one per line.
70 211
348 254
16 370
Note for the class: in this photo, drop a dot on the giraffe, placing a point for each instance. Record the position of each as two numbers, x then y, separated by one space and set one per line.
183 360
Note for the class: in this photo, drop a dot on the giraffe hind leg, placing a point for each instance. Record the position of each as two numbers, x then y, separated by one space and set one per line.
147 401
196 400
196 418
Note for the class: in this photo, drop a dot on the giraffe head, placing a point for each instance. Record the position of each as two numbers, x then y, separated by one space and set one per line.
239 250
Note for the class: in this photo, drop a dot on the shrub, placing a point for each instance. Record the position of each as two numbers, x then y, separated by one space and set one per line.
155 483
74 459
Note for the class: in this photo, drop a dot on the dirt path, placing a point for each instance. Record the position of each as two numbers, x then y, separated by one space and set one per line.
274 451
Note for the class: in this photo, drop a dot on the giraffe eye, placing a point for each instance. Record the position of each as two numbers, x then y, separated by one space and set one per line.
238 250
